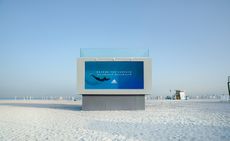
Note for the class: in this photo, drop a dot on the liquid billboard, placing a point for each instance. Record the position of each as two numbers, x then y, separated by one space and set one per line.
114 75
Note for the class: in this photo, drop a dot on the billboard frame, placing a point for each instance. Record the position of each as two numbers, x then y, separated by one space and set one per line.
81 76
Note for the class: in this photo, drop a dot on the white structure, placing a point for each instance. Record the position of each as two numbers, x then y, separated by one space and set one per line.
180 95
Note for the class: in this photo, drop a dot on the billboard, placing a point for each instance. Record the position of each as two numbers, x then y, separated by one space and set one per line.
114 75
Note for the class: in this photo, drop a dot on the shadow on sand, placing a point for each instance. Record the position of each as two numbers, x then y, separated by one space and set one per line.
60 106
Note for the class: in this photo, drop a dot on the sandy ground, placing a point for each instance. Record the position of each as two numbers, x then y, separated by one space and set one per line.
162 120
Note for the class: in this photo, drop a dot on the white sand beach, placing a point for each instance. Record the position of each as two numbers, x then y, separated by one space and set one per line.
162 120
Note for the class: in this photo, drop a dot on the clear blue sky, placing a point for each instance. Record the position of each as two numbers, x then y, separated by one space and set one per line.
189 42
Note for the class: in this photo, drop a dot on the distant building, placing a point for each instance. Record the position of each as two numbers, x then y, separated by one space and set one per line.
179 95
